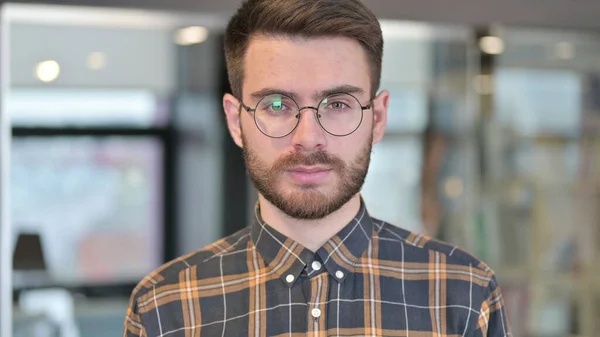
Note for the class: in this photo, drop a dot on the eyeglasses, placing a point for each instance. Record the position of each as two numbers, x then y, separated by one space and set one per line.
278 115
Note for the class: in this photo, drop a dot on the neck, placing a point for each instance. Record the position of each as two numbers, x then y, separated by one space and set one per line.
312 234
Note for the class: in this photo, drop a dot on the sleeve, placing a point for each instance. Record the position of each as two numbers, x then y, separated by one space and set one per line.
493 321
133 326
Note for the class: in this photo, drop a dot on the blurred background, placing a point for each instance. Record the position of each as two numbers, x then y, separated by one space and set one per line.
116 157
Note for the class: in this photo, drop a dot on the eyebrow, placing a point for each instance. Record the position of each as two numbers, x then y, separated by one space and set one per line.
350 89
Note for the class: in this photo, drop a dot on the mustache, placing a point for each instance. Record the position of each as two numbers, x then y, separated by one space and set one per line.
301 159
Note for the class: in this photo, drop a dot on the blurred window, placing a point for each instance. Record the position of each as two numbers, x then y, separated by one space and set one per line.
539 101
97 203
45 107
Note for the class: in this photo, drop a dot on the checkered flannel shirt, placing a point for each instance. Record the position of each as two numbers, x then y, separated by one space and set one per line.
371 279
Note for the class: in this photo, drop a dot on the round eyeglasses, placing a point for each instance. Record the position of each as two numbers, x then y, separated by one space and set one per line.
278 115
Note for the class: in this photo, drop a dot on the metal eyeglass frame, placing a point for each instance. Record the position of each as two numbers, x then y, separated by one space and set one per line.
362 114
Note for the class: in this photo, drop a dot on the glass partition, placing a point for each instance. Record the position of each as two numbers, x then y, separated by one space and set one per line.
543 181
429 140
92 99
95 202
89 106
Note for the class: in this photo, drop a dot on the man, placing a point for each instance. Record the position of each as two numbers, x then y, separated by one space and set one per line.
305 110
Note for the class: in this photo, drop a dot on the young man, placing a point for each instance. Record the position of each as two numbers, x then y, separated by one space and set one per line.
305 110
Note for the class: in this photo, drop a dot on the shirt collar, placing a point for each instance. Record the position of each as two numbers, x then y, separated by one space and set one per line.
287 258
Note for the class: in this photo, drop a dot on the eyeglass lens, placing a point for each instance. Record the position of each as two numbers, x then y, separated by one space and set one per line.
278 115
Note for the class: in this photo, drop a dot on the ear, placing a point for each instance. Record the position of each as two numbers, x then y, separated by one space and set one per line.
380 114
233 113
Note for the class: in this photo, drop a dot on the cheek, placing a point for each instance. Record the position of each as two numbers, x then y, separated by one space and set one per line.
356 141
345 148
265 148
366 127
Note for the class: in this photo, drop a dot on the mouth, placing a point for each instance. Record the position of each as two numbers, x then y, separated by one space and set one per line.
309 175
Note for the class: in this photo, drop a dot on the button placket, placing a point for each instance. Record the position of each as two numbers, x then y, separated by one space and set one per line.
318 302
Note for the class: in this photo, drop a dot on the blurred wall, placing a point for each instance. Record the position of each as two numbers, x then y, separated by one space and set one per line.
138 58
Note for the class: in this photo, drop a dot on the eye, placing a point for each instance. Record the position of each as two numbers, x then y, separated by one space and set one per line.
276 106
337 105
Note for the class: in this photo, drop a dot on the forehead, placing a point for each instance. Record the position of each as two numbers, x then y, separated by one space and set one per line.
304 65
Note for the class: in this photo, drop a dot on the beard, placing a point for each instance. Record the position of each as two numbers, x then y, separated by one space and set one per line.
307 202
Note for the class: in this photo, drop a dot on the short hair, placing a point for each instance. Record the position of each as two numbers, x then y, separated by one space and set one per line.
302 18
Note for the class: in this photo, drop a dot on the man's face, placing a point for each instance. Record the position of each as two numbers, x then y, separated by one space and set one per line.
309 173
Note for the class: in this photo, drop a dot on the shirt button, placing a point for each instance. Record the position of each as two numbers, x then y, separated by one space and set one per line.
316 313
316 265
339 274
289 278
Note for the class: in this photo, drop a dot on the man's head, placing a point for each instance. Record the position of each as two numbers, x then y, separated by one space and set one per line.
285 60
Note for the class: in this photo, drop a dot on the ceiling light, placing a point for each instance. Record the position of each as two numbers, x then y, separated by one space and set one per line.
96 61
47 71
191 35
492 45
454 187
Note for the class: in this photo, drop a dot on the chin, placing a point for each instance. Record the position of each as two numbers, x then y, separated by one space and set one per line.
292 188
304 192
307 202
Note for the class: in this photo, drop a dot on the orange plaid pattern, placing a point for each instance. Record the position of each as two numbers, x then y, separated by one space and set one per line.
371 279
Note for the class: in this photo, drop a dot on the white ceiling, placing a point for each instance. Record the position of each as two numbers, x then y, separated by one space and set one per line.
578 14
137 45
135 58
141 53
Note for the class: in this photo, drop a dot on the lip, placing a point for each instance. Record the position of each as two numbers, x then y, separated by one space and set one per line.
311 169
309 175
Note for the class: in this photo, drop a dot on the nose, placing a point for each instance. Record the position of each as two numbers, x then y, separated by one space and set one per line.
309 135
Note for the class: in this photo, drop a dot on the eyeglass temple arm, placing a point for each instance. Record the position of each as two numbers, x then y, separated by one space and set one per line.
248 109
369 106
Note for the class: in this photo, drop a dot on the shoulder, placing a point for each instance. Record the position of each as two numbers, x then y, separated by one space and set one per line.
467 279
203 262
421 248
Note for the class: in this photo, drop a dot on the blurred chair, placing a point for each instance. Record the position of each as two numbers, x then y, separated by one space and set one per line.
29 263
53 307
41 311
34 326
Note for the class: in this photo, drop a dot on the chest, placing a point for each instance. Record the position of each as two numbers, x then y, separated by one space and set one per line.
323 305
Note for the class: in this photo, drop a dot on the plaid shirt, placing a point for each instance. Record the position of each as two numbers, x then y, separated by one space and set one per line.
372 279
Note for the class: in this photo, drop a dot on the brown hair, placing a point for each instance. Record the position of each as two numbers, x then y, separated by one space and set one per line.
302 18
